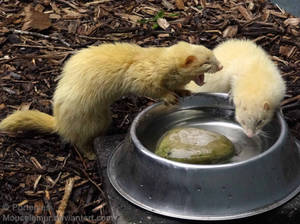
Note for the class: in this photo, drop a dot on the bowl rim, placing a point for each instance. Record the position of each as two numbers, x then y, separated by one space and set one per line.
283 135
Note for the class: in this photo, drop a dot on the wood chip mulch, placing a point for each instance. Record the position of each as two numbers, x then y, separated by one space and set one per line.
37 37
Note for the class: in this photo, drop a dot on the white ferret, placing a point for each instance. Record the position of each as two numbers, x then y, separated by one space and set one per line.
95 77
254 81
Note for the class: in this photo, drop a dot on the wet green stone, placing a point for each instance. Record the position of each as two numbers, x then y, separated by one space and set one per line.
194 145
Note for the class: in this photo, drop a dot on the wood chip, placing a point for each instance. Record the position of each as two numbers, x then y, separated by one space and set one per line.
278 14
179 4
292 22
38 207
275 58
163 23
23 203
71 14
24 106
245 13
131 18
251 6
36 163
37 182
287 51
168 5
161 35
2 106
8 90
97 2
230 31
203 3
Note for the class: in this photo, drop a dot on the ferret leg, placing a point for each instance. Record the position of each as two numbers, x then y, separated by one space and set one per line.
97 127
87 150
183 92
171 98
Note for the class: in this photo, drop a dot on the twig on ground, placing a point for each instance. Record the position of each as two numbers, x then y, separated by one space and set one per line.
48 203
64 202
60 173
289 100
42 36
87 175
41 47
99 207
37 182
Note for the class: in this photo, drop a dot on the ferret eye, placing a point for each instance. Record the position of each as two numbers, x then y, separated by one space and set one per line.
259 123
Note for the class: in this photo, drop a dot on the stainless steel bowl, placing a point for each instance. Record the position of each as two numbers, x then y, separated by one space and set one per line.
264 174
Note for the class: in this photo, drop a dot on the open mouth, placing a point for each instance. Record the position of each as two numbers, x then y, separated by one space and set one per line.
199 80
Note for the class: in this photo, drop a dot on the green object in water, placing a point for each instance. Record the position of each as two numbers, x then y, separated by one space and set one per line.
194 145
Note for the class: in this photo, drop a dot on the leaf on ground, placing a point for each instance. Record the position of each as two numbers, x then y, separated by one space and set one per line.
35 19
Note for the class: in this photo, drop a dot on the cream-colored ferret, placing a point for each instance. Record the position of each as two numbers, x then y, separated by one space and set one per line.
95 77
254 81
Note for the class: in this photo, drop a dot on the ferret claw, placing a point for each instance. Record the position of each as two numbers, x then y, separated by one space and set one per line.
171 99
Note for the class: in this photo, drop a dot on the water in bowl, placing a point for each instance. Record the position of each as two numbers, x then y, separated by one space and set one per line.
213 119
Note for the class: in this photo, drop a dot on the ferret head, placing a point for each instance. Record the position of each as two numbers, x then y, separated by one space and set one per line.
253 119
194 61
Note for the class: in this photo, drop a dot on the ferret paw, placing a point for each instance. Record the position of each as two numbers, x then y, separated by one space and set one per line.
183 92
90 155
87 152
171 99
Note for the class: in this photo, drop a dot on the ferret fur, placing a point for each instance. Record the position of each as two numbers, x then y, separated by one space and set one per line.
254 81
95 77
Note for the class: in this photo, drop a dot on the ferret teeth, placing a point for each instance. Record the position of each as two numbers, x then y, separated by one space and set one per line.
199 80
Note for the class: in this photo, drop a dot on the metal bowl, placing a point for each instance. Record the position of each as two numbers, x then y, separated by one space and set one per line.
264 174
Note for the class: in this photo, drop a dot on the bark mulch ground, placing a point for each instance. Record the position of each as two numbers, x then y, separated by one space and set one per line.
37 37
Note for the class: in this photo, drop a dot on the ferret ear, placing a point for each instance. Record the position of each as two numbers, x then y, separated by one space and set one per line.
189 60
266 106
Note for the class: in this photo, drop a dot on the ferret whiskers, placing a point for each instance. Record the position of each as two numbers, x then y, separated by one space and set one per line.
265 134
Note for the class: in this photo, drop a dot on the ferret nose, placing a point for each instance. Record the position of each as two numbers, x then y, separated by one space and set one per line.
250 133
220 67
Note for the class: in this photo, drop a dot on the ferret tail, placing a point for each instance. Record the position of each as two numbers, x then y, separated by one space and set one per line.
29 120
